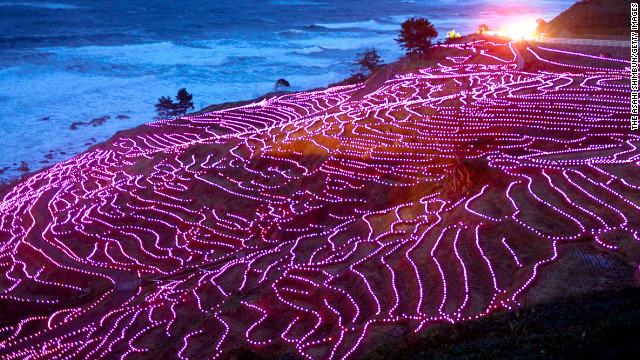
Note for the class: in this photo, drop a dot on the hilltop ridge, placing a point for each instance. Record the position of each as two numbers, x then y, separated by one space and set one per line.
592 19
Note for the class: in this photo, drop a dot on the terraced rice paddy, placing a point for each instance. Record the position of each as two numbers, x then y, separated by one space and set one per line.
318 223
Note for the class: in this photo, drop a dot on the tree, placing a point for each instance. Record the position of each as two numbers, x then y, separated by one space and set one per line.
542 26
185 102
167 109
482 29
451 36
416 35
367 62
281 82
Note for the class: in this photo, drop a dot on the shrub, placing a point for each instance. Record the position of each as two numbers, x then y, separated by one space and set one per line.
482 29
451 36
281 82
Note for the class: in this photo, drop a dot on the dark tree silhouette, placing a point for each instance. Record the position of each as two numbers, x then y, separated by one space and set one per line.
281 82
185 101
367 62
416 35
166 108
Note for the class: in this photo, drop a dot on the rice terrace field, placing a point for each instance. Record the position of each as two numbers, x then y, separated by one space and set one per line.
318 223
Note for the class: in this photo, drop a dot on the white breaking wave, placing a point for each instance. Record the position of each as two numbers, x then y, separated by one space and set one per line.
369 25
40 5
98 76
296 2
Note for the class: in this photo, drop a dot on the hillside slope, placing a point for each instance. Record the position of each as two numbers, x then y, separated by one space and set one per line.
319 223
593 18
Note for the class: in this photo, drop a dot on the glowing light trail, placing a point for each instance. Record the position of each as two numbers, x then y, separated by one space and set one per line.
316 222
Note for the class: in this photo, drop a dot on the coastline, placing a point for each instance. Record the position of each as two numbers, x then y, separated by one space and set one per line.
505 56
9 183
399 66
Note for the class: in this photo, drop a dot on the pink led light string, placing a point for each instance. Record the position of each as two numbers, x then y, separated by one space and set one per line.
314 221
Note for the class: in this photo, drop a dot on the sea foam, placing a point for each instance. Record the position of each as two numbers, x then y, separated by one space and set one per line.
40 5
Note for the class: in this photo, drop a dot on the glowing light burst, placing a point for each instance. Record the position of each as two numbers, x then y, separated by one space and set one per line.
318 222
518 29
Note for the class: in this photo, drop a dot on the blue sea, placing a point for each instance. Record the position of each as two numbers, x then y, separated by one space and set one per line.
76 60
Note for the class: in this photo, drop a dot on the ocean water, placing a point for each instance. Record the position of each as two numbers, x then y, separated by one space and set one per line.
76 60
